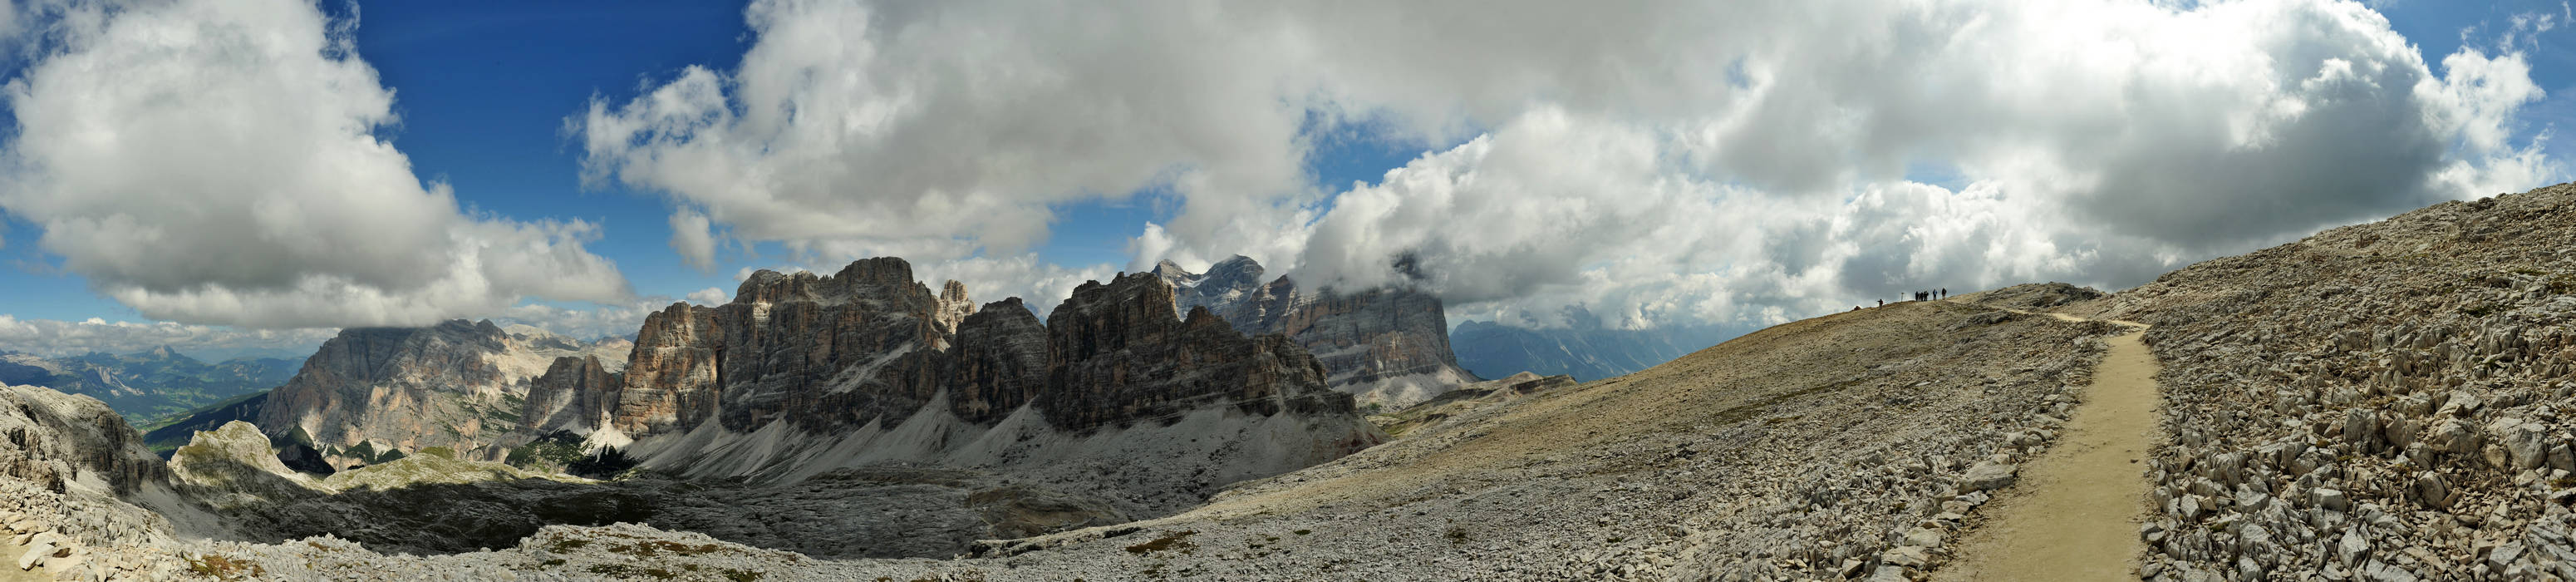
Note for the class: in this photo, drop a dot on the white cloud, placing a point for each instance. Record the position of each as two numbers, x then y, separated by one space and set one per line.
587 322
272 197
710 296
1039 285
1730 162
690 236
45 337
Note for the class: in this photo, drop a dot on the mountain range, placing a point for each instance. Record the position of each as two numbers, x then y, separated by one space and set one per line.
150 384
1585 350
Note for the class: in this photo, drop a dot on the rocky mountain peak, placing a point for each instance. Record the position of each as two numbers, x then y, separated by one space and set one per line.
1388 345
409 387
954 306
1117 354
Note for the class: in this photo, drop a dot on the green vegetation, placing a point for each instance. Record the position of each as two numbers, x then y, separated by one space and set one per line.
553 451
149 387
221 567
607 464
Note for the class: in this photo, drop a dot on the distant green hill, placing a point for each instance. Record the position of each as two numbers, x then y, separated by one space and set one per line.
148 385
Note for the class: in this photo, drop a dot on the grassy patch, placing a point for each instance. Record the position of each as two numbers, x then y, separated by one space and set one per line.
221 567
655 548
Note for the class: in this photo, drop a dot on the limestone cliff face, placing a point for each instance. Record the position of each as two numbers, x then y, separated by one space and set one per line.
870 345
801 373
408 387
575 391
999 363
1117 355
1386 345
453 384
824 352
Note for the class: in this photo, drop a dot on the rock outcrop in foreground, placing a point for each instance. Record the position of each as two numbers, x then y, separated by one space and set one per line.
1387 346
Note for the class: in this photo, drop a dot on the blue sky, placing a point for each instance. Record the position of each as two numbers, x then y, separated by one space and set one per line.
1756 202
483 88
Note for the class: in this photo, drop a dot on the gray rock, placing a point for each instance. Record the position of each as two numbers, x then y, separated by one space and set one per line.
1988 475
2330 500
1908 556
2504 556
2432 490
2352 548
35 556
2523 442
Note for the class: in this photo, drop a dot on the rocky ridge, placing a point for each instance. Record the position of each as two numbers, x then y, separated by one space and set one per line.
1388 346
2385 401
1114 394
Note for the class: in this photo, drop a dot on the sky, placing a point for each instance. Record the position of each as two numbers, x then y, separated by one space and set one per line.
247 176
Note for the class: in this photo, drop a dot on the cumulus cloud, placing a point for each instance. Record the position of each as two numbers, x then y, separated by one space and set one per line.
586 322
226 163
46 337
1040 285
689 236
710 296
1727 162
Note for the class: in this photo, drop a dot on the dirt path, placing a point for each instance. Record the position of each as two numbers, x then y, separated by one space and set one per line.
2075 513
9 553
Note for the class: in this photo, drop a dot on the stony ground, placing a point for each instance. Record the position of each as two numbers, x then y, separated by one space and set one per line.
2387 401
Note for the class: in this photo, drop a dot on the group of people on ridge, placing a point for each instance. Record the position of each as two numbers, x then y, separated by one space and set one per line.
1943 293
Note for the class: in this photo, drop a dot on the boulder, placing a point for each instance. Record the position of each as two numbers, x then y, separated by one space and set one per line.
1988 475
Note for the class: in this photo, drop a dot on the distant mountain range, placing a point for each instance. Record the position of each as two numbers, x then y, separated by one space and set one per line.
1586 351
147 385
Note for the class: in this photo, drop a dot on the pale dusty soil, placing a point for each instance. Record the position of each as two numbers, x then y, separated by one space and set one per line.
2075 513
9 571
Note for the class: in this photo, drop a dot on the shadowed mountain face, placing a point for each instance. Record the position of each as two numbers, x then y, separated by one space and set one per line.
1386 346
147 385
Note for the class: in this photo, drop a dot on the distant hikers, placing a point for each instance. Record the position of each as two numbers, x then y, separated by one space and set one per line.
1882 303
1945 292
